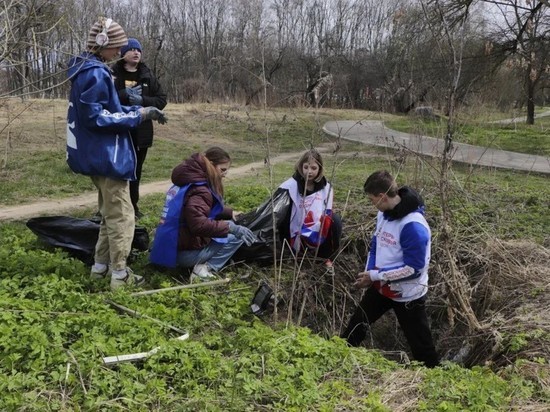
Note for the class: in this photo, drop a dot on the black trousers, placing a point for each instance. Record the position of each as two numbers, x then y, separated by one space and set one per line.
330 246
141 154
411 316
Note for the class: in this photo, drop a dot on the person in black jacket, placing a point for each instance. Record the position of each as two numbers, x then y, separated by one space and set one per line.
137 85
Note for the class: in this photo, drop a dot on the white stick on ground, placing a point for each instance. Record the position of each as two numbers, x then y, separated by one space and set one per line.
134 357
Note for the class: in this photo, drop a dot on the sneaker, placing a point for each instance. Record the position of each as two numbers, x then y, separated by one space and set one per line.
329 267
131 279
98 275
201 273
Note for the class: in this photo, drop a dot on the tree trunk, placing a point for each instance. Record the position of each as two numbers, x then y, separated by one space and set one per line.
530 85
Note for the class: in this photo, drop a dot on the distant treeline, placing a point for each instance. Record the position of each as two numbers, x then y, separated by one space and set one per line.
390 55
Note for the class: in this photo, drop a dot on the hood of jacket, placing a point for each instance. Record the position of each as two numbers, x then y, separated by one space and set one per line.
85 61
192 170
411 201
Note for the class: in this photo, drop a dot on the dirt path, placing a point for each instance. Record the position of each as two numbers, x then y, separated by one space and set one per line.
87 200
367 132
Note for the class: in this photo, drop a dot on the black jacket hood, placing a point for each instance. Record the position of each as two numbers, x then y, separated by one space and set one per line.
302 182
411 201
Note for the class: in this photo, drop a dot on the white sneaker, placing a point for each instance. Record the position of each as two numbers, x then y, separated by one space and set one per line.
131 279
329 267
202 273
99 274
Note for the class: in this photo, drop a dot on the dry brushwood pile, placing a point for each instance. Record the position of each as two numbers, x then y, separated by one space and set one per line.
507 282
516 299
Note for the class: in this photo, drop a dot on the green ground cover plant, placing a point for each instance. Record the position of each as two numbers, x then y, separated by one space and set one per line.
57 325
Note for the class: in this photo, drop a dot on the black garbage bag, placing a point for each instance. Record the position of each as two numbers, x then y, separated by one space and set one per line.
260 222
77 236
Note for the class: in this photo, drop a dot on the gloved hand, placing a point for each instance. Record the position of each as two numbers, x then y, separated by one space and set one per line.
152 113
134 95
242 232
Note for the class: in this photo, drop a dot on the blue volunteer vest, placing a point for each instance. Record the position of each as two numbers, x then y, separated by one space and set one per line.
164 251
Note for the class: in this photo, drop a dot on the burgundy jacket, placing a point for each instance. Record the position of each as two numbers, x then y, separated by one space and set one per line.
198 229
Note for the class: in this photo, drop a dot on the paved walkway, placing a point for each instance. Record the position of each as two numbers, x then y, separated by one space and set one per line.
374 132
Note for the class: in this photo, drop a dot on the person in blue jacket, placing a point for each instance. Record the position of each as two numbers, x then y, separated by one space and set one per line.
99 145
396 273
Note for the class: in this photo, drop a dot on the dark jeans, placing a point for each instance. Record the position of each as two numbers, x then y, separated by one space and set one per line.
141 154
412 318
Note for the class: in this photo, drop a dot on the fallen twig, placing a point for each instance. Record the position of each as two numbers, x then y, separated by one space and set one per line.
78 370
188 286
140 315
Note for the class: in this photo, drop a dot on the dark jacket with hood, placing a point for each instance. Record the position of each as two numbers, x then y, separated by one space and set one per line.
152 95
197 228
320 185
98 138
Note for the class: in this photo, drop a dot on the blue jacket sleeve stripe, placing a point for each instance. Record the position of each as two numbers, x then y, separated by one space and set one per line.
414 241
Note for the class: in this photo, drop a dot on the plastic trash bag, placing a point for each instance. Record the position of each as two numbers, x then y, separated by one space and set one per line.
260 222
77 236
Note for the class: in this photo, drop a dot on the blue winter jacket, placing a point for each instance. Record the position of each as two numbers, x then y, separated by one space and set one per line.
98 138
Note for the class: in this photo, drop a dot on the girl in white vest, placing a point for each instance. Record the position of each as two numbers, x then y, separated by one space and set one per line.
311 224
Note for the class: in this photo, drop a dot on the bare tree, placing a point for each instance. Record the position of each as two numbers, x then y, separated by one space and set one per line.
378 54
527 29
29 36
452 39
520 39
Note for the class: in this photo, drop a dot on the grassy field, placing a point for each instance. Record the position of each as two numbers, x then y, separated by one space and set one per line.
57 324
515 137
33 142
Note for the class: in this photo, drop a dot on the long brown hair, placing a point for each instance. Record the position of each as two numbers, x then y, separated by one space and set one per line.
213 157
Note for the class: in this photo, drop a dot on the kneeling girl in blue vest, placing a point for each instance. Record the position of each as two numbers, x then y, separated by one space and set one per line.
196 230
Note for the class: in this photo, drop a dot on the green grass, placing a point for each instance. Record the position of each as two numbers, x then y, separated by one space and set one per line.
497 204
518 137
56 328
34 165
505 203
42 175
56 325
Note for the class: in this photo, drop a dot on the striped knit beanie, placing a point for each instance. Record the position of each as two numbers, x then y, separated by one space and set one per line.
106 34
